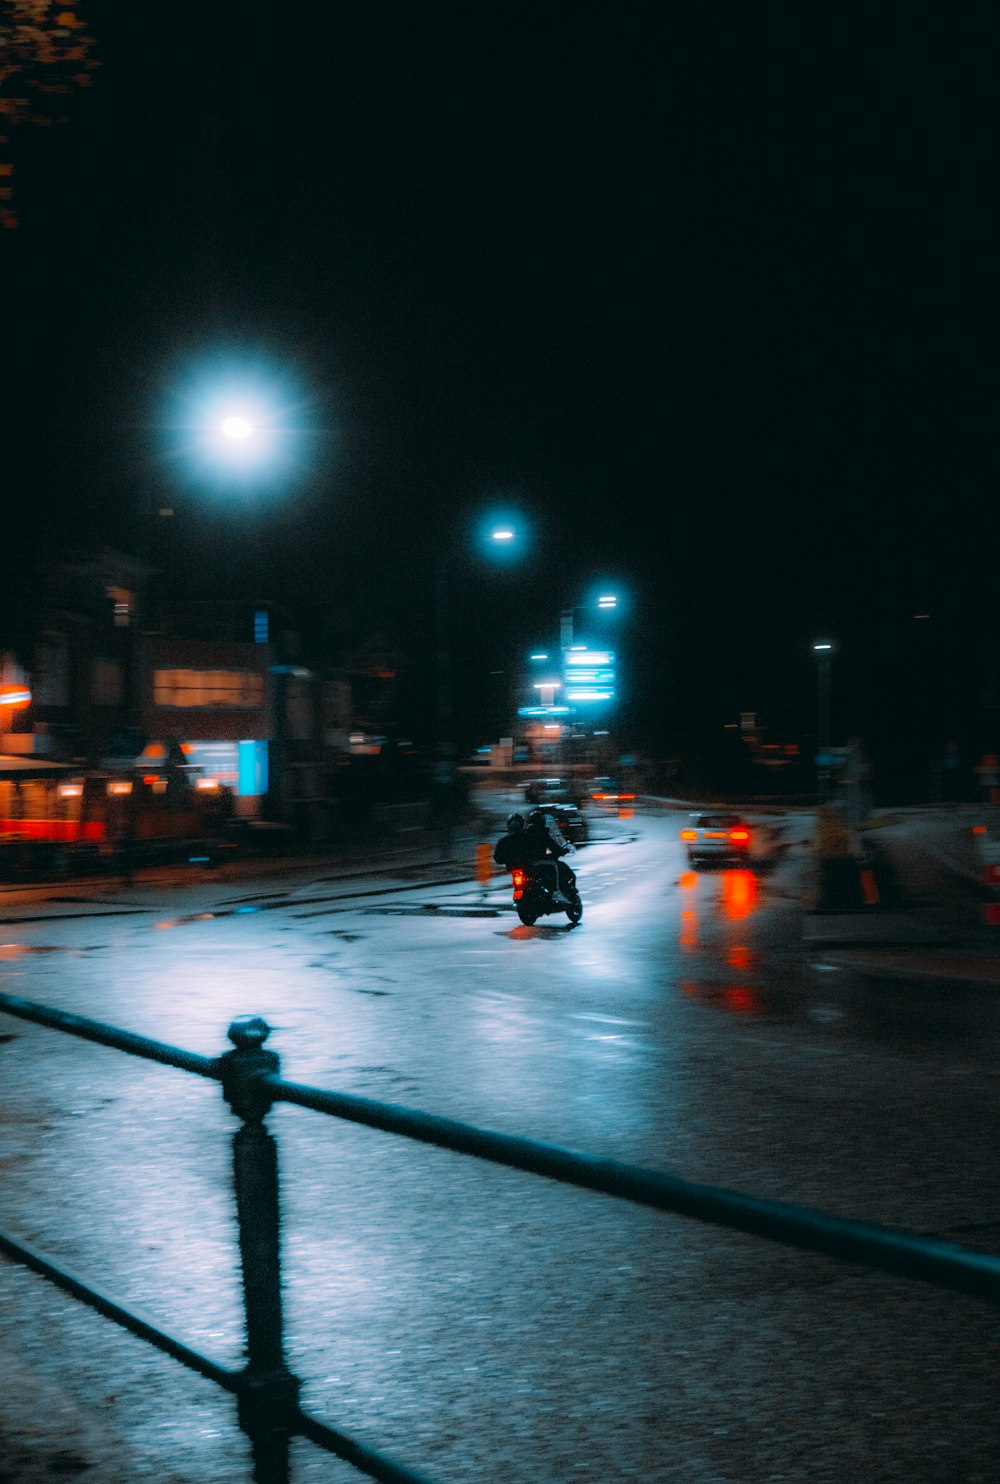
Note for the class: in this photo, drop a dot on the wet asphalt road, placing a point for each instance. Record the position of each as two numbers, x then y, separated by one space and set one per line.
477 1323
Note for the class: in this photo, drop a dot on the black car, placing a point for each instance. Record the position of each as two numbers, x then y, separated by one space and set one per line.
570 821
548 791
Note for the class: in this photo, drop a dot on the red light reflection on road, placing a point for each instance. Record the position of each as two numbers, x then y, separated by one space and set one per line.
738 957
689 918
689 930
739 894
741 999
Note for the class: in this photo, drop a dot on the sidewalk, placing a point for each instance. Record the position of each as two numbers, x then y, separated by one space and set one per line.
969 964
361 852
874 907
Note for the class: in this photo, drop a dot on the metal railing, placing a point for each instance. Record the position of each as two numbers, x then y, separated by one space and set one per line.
267 1393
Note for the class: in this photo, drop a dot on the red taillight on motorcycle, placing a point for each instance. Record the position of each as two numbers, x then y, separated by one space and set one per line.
739 836
689 834
519 879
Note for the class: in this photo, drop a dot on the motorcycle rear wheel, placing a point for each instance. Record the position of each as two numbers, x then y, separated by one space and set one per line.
525 912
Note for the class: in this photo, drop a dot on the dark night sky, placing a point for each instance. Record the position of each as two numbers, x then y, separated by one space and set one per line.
708 291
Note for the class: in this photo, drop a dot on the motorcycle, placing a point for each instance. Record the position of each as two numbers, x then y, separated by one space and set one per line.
534 896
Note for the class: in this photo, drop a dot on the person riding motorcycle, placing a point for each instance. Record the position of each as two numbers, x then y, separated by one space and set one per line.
527 847
512 851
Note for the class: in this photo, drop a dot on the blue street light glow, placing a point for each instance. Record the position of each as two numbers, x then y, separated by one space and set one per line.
238 422
501 531
581 655
589 675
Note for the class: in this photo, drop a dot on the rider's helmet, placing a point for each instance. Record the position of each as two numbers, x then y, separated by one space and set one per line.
515 822
536 817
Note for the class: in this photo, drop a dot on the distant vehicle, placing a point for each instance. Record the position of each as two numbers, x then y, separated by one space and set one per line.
604 790
570 820
549 791
97 820
717 838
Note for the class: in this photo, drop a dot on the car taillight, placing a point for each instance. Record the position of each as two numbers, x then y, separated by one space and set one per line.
738 836
626 796
689 834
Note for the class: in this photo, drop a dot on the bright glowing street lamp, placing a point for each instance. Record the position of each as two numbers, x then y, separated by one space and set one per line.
237 423
236 427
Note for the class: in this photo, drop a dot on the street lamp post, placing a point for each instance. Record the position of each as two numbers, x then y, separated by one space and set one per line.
500 535
823 652
237 428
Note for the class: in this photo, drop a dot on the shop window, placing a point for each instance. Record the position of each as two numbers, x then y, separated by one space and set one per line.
239 689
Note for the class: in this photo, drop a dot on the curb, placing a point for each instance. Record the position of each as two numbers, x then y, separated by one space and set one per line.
905 968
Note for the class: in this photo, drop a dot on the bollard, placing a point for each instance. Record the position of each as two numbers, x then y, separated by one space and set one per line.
484 865
267 1400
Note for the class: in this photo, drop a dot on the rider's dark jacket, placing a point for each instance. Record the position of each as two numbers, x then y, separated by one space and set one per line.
521 848
514 851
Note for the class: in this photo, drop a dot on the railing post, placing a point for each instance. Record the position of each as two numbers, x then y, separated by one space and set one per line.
268 1394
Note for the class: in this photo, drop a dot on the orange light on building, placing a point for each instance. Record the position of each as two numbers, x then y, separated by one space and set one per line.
15 696
45 57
